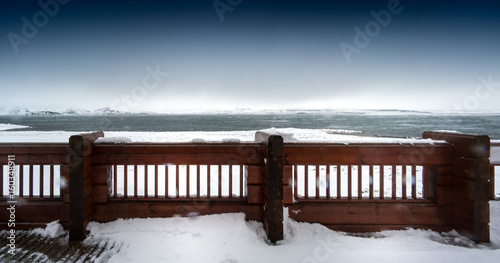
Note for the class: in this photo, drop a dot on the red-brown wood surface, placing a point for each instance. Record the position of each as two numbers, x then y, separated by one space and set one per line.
225 154
387 154
115 209
372 213
20 149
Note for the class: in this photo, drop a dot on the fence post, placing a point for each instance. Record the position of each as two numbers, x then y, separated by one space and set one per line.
471 186
80 183
273 189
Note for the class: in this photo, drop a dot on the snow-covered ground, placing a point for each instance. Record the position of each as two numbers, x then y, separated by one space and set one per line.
8 126
229 238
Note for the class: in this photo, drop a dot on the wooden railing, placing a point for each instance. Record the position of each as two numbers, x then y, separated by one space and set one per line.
356 187
495 175
336 172
40 182
176 171
39 169
178 181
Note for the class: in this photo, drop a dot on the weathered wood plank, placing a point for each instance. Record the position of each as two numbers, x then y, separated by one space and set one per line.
475 190
33 149
247 149
372 213
194 158
144 209
367 154
254 194
471 211
478 168
466 145
39 211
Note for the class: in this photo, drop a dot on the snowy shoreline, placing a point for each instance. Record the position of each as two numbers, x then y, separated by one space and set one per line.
294 135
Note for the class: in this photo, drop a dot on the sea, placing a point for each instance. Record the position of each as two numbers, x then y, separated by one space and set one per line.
379 124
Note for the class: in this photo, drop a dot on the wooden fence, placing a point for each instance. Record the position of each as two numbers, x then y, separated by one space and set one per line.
356 187
494 172
41 193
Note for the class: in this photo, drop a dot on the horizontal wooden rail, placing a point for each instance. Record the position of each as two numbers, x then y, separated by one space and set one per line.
368 154
224 154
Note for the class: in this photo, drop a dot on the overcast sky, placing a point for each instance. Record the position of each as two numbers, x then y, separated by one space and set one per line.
223 54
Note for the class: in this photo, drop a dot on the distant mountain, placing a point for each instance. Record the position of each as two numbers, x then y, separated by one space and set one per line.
44 112
109 111
14 111
76 111
70 111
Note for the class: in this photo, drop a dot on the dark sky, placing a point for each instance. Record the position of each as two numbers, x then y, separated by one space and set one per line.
224 54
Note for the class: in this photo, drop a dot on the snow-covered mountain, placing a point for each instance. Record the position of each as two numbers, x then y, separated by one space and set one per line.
70 111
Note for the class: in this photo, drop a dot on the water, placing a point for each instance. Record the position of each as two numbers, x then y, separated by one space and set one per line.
368 124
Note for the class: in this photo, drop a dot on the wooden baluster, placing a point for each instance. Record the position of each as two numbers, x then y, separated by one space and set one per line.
339 182
51 194
241 181
349 182
306 183
146 170
230 180
328 188
220 180
360 182
21 179
317 181
40 174
115 180
188 194
404 181
209 179
198 180
125 180
371 182
381 182
295 182
1 180
156 180
394 184
413 183
135 180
